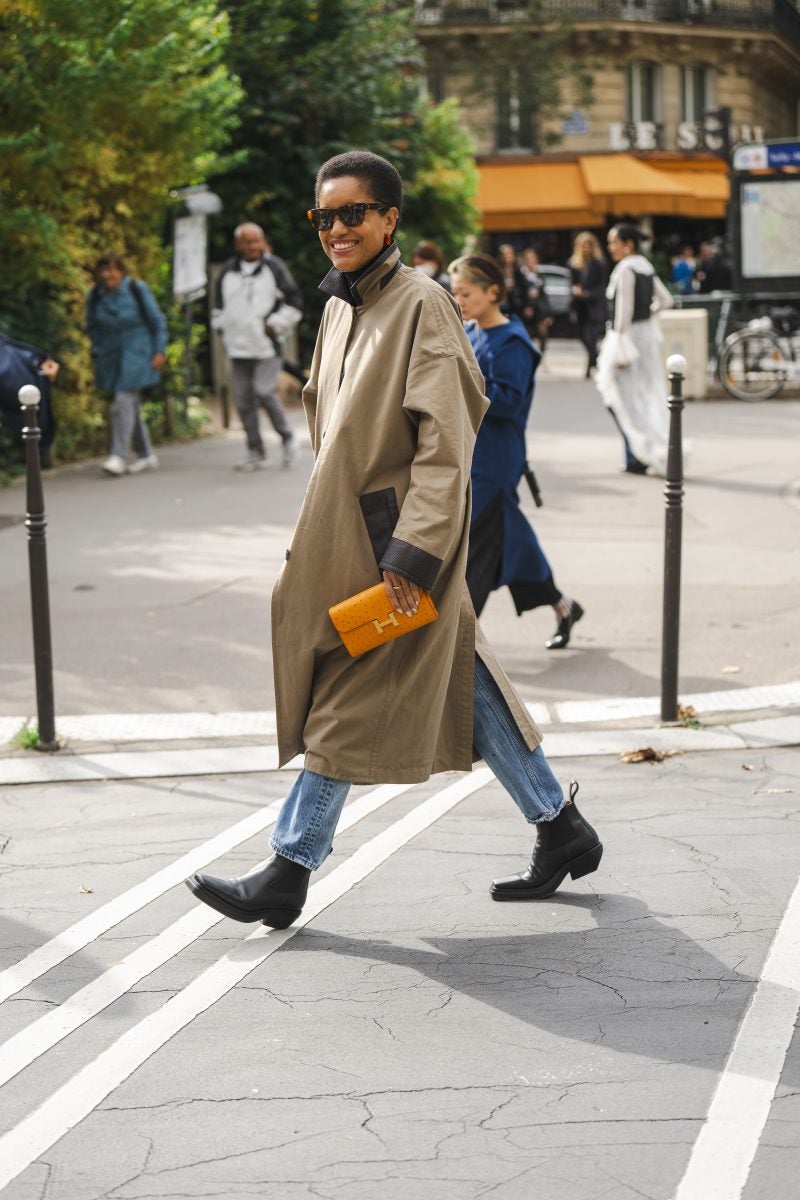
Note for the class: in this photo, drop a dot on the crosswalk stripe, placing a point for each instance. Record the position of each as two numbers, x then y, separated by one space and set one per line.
723 1154
65 944
41 1035
69 1104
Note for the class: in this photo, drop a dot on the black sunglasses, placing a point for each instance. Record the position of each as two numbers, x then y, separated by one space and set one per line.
349 214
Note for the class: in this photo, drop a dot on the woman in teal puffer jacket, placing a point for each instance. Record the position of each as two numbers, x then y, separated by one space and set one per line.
128 337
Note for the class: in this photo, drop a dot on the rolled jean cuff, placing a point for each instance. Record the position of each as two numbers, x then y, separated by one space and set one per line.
293 856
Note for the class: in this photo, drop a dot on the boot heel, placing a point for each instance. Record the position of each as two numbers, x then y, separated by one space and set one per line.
587 863
280 918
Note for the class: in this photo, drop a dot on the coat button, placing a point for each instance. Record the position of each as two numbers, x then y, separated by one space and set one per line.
288 553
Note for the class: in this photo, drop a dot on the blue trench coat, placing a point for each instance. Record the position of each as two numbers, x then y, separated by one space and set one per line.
508 360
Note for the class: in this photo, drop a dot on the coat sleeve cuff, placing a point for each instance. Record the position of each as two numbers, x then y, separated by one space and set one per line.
411 562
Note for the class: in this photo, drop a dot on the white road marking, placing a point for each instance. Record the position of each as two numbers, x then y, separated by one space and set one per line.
159 727
70 1103
779 695
108 915
726 1146
245 760
41 1035
142 764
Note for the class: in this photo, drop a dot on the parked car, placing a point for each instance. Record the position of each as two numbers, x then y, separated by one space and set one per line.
558 288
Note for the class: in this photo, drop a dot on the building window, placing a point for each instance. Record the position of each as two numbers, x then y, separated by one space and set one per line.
435 85
514 114
642 101
696 93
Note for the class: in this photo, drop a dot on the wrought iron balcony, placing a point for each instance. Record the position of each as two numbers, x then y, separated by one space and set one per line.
780 16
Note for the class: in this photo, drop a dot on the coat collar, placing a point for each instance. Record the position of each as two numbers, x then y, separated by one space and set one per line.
365 287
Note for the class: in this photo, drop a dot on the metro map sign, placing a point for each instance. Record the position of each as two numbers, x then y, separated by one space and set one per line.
761 155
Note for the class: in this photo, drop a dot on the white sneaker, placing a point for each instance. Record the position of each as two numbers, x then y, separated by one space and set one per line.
289 451
115 465
253 462
148 462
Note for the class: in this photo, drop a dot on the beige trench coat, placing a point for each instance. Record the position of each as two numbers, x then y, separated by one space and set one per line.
393 402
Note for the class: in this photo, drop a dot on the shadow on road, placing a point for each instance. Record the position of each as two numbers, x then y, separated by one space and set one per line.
632 983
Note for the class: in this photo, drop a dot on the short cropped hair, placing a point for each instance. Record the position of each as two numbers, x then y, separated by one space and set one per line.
482 270
379 177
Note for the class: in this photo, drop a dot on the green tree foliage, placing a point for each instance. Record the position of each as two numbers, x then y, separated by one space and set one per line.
104 106
321 77
439 199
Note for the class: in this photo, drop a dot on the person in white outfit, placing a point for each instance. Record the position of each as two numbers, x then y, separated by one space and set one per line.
630 372
256 304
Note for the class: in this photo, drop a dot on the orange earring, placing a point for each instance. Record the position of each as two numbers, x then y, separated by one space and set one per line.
387 239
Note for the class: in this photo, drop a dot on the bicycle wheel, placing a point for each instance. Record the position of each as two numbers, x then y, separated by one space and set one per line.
753 366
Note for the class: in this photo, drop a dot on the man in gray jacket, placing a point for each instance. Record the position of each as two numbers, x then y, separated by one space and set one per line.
256 303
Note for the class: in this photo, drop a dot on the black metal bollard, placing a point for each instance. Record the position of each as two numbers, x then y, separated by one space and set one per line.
673 531
35 523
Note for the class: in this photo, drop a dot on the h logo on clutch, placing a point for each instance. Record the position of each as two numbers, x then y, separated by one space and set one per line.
390 620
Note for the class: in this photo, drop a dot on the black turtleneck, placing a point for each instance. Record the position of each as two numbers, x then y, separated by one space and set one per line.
353 276
344 283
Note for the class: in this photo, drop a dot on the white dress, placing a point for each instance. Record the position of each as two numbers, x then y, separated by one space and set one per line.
631 376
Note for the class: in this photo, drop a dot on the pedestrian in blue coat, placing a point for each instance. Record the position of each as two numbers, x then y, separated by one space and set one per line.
503 549
128 337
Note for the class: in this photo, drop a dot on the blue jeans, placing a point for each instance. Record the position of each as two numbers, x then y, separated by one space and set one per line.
307 822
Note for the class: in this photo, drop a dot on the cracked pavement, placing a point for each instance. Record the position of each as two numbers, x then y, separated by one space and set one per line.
415 1040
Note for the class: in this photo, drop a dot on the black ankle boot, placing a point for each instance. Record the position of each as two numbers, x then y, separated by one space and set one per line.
565 846
273 894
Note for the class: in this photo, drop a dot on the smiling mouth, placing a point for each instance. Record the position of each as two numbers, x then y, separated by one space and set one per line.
340 247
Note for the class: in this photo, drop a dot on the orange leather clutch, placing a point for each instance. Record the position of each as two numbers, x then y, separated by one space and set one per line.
368 619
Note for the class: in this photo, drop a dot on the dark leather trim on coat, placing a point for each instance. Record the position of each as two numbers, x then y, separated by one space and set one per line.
381 514
411 562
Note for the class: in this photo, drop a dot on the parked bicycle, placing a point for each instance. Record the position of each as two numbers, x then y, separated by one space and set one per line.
756 361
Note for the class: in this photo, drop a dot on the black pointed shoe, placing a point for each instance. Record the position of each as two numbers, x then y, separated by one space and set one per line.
565 846
560 638
273 894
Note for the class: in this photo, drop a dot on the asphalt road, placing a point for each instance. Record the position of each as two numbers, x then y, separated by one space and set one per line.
160 583
634 1036
414 1039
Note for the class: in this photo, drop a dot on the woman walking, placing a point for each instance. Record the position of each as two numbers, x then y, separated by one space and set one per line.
503 548
630 373
536 313
128 337
393 403
589 280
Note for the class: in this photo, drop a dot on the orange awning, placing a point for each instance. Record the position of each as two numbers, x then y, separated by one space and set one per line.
566 195
706 181
620 183
534 196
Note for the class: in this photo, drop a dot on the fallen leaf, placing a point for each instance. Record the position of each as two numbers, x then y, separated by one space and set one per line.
647 754
731 670
84 890
748 767
684 711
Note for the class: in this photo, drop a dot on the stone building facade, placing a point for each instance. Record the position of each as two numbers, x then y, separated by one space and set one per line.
674 84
